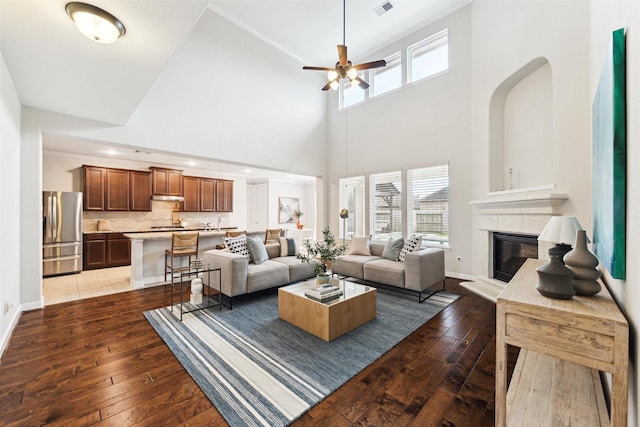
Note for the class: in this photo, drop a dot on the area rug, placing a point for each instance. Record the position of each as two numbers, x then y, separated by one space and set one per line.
259 370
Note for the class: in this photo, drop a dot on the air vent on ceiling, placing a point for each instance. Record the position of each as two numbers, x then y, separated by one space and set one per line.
383 8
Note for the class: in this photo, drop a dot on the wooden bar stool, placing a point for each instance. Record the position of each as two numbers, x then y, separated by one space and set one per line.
182 245
272 235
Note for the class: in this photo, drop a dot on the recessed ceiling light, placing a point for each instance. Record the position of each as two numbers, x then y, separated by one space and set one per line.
110 152
247 171
190 163
95 23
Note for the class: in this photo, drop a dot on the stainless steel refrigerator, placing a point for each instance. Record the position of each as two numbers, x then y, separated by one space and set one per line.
61 233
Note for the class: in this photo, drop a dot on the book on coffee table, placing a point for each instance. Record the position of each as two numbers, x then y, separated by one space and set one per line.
325 297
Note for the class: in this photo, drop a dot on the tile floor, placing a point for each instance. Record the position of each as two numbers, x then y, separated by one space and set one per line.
87 284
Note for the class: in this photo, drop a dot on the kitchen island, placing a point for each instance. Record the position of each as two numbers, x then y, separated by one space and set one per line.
147 253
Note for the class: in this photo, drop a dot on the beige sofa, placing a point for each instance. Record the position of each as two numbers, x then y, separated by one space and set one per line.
419 271
240 277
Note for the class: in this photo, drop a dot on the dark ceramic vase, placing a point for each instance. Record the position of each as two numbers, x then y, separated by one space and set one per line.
554 279
583 264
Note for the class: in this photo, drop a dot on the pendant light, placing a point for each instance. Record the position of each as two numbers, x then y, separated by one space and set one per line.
95 23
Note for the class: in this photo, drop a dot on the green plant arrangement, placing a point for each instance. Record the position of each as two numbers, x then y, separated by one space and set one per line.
298 213
324 251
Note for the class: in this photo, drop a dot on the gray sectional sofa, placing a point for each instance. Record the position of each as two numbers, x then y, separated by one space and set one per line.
419 271
240 277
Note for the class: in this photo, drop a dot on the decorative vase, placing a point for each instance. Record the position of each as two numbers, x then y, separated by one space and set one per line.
299 224
583 263
555 279
323 278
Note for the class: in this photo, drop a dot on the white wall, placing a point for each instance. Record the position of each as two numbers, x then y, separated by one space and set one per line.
424 124
507 36
304 192
605 18
10 211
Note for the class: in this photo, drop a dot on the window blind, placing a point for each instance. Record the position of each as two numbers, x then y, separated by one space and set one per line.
385 190
428 204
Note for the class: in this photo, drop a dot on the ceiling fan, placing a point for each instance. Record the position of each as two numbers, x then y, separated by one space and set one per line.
344 68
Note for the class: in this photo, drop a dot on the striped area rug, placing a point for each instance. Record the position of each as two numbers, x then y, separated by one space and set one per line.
259 370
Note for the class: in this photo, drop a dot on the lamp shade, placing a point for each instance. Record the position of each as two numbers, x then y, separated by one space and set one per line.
561 230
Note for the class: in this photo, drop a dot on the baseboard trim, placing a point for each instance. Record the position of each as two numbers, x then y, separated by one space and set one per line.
461 276
7 335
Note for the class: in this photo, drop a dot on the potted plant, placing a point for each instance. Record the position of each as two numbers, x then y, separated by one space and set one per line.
323 253
298 213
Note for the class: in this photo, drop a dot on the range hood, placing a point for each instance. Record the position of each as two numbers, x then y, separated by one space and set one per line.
164 198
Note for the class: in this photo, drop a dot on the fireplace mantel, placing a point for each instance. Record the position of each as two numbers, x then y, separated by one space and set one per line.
519 203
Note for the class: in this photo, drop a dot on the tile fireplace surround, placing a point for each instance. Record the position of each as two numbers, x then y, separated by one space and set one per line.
524 211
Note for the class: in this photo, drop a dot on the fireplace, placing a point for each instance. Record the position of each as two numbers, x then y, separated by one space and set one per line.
510 251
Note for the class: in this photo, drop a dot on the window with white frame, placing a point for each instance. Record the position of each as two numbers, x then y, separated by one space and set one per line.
351 95
387 78
428 57
385 205
428 204
352 198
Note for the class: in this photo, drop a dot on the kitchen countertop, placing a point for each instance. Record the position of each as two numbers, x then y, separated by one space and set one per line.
159 230
151 235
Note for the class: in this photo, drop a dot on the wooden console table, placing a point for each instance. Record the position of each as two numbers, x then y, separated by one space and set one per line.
589 332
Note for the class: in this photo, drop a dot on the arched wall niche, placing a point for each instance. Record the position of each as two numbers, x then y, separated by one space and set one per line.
521 129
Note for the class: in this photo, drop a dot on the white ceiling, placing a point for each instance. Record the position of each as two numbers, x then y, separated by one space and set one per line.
55 68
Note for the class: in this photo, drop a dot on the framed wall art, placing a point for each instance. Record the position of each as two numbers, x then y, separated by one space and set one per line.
286 207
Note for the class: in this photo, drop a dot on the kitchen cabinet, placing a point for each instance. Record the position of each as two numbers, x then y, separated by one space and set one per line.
95 251
116 190
94 188
224 195
166 182
207 195
103 250
191 190
140 191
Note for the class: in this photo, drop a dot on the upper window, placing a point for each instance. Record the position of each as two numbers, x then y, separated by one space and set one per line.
352 198
389 77
428 57
428 204
351 95
385 193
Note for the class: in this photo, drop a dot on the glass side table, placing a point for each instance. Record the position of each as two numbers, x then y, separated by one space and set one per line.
184 276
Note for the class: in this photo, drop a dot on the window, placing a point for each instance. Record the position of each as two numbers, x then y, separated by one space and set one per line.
351 95
387 78
428 204
385 198
428 57
352 198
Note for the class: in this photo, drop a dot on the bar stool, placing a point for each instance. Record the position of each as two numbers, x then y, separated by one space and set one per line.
272 235
182 244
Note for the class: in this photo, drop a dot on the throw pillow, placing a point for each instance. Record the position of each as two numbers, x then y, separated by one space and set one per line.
359 246
412 244
237 245
288 247
257 250
392 248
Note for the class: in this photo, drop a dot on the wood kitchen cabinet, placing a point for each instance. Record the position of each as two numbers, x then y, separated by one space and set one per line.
224 195
207 195
191 192
116 190
140 191
94 188
104 250
166 182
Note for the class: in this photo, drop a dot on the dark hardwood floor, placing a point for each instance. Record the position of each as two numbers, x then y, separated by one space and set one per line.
98 362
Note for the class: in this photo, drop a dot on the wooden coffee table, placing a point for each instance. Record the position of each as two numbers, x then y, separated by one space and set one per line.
327 320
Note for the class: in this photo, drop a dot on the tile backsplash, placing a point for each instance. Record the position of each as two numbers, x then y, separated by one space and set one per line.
162 214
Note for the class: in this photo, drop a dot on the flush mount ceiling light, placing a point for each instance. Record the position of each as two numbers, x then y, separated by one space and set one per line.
95 23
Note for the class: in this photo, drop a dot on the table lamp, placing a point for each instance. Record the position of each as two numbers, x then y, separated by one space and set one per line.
554 278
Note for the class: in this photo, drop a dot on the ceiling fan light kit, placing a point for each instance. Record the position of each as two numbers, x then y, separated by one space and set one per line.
344 69
95 23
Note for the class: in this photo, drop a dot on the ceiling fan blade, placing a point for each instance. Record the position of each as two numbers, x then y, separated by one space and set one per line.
306 67
368 65
327 86
342 54
361 83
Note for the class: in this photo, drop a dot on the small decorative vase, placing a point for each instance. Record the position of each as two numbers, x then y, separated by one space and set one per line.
583 264
299 225
323 278
554 279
